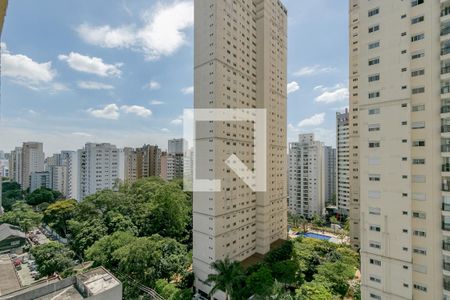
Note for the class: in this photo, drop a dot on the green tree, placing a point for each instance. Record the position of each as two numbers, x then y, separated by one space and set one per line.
11 193
22 215
318 221
57 214
43 195
286 271
115 221
168 213
84 234
261 282
101 252
313 291
148 259
335 275
334 220
52 258
228 275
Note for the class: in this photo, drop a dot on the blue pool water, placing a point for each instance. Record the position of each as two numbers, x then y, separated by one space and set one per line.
315 236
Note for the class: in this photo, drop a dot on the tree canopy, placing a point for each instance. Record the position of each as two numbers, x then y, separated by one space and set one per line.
43 195
52 257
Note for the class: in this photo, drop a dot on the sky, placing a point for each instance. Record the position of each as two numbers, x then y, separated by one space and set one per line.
122 71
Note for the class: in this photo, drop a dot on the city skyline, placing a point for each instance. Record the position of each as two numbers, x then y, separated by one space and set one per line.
78 99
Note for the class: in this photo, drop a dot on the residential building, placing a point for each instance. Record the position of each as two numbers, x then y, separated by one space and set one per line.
40 180
399 146
4 167
306 168
98 168
95 284
343 165
32 161
329 160
172 161
69 159
240 63
141 162
12 239
15 165
59 179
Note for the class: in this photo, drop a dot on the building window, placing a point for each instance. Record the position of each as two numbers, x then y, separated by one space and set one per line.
374 77
416 2
374 45
418 72
417 37
374 127
375 262
375 245
375 279
374 28
418 125
374 111
419 215
419 107
418 161
418 90
375 228
374 95
373 12
419 286
374 211
417 55
374 144
374 61
375 296
418 143
374 177
418 19
420 233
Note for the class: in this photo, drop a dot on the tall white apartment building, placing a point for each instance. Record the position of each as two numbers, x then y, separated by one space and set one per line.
399 146
329 159
40 180
32 161
69 159
343 164
306 180
240 62
98 168
15 165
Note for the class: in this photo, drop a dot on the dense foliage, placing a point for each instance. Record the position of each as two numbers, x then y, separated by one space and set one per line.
300 269
43 195
52 258
22 215
140 232
11 193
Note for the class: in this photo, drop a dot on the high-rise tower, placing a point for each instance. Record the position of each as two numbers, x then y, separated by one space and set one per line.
240 62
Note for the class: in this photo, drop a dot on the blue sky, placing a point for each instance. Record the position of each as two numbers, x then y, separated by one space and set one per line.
122 71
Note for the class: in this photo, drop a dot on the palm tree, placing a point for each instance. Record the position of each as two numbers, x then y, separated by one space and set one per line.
228 275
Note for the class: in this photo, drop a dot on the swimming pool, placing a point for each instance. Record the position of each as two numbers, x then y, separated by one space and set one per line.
315 236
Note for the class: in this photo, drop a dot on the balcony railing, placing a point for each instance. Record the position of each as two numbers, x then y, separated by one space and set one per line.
445 109
445 11
446 246
446 266
445 187
445 89
447 285
445 70
445 128
445 226
445 31
445 50
446 207
446 168
445 148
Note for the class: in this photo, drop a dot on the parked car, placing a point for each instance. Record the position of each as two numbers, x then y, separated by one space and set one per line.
19 267
17 262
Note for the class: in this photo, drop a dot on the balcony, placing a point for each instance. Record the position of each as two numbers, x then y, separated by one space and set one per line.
445 11
445 128
445 109
446 284
445 226
445 31
446 207
445 246
446 266
445 50
445 89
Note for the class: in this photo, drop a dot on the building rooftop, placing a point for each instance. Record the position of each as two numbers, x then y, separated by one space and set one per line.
83 286
7 230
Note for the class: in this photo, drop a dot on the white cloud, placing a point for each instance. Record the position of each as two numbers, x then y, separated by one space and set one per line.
331 95
316 120
83 134
313 70
153 85
177 121
29 73
162 31
110 111
156 102
92 65
188 90
93 85
292 87
137 110
165 130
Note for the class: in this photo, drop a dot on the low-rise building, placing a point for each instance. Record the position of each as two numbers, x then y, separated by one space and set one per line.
11 238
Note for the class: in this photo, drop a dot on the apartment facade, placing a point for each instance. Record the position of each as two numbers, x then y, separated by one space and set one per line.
32 161
240 62
15 165
99 168
399 95
343 164
40 180
172 161
306 177
141 162
329 158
